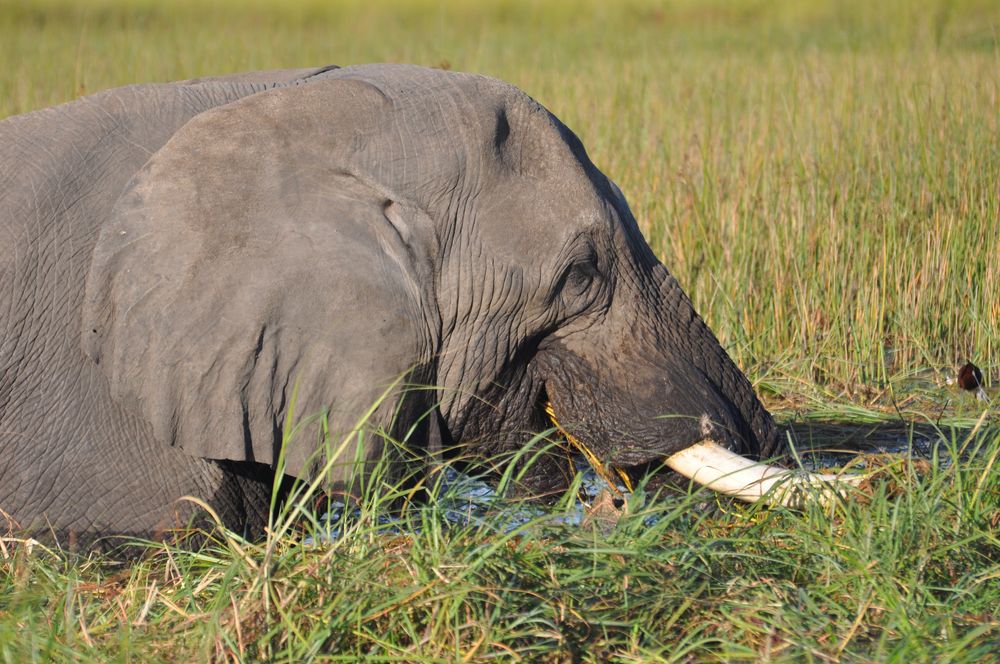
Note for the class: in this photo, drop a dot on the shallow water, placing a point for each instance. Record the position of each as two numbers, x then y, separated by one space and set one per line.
473 501
822 445
817 445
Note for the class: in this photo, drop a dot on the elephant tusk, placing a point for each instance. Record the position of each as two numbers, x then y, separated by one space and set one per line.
713 466
716 468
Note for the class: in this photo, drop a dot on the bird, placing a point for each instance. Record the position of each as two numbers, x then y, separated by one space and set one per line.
971 378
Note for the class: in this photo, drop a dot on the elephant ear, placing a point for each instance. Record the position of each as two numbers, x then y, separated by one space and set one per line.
248 261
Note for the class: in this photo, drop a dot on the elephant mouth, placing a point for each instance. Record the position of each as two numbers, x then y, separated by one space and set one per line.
713 466
611 475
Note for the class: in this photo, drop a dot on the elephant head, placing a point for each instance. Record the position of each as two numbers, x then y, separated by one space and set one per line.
378 221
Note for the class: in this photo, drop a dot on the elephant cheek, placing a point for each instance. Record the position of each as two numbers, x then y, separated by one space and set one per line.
587 405
640 410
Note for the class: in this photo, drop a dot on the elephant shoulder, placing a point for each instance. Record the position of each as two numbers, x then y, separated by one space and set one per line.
94 144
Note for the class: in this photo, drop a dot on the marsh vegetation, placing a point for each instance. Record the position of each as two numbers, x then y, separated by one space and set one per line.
823 178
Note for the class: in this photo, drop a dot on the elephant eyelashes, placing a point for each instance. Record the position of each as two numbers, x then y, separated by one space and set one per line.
579 278
579 286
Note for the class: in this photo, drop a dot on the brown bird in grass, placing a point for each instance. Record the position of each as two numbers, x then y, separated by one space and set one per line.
971 378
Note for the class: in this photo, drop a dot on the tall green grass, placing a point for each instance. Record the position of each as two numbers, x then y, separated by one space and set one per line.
910 573
821 176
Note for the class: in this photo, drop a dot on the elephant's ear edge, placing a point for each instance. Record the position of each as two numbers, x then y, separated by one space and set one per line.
216 287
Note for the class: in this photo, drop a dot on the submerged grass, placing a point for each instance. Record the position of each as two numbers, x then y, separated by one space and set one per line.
824 180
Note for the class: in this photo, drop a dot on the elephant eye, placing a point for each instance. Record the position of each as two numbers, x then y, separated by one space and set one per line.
578 285
579 278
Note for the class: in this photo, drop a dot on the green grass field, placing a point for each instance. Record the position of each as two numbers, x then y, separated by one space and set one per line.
824 180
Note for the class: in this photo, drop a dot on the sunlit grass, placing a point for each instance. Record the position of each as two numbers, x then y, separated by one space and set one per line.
911 572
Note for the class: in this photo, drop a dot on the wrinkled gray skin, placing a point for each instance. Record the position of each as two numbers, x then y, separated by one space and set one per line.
176 259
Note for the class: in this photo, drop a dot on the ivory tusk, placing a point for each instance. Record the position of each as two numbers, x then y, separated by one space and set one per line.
715 467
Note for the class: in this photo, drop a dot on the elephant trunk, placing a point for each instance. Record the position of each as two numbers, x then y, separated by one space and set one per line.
651 381
726 463
694 346
661 389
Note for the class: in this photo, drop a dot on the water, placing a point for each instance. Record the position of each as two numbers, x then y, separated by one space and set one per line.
823 445
819 446
472 501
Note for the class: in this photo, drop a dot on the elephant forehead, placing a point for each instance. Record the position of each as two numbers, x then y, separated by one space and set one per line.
424 134
451 125
537 220
458 146
418 93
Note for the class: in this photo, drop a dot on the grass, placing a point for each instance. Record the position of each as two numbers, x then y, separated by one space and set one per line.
822 177
910 573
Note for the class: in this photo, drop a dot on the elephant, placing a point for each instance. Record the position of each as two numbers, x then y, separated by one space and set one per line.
186 264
